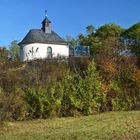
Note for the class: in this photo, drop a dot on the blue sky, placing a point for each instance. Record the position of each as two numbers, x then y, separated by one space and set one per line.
69 17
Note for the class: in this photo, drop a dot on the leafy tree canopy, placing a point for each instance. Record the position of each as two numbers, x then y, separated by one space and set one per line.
131 37
133 32
71 41
14 49
109 30
90 29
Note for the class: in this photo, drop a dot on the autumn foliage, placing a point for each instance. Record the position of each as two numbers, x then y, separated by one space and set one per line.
107 81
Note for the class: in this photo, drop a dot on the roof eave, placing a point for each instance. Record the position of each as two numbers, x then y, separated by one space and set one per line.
56 43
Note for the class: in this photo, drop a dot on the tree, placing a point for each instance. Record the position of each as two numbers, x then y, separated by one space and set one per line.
133 32
90 29
107 59
109 30
81 39
71 41
92 41
96 39
93 89
84 94
131 39
14 49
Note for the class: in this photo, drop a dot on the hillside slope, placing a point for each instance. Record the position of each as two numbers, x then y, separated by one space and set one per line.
113 125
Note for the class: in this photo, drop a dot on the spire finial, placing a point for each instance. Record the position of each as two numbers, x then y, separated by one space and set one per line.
46 15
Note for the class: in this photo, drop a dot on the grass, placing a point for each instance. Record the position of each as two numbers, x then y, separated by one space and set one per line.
106 126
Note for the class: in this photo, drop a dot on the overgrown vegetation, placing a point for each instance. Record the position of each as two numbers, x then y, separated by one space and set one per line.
107 81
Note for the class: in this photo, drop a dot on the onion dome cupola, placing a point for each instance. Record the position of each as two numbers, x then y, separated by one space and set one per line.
46 24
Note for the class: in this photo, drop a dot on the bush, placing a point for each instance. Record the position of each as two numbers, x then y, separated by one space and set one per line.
43 103
43 89
83 94
13 107
70 96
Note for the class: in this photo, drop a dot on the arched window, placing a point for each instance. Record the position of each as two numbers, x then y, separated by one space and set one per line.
49 52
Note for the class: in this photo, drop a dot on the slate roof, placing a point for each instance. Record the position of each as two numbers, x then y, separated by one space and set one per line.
39 36
46 20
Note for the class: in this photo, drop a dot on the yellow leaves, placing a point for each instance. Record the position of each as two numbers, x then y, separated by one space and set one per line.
108 66
105 88
136 77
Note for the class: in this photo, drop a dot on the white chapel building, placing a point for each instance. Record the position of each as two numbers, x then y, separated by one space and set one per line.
43 43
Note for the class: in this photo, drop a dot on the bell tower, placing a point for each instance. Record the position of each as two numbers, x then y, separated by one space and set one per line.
46 24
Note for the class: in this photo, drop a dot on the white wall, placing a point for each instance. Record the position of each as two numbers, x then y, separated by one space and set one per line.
40 51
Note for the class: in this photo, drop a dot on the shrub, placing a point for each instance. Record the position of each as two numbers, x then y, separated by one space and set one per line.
83 94
13 106
45 102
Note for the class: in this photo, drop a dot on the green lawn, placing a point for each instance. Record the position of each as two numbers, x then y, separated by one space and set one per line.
112 125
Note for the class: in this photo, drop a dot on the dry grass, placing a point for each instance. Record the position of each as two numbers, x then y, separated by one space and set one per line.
106 126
